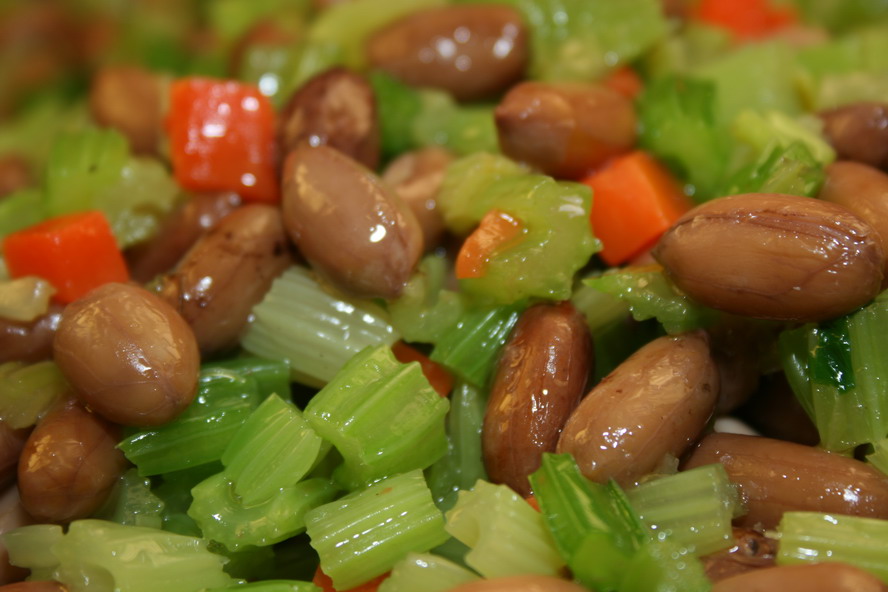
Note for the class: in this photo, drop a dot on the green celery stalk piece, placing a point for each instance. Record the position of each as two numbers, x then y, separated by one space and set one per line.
272 376
841 89
684 49
21 209
790 169
879 456
664 565
27 391
461 129
272 586
807 537
762 130
270 67
398 105
426 572
174 489
366 533
274 448
841 15
425 311
224 517
373 390
231 19
202 432
133 503
506 536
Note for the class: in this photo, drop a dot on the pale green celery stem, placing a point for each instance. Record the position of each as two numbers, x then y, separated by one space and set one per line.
879 457
28 391
426 572
24 299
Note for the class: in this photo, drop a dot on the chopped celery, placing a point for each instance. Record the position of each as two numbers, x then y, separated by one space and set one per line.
271 586
272 376
879 456
269 67
231 19
372 390
101 556
224 517
174 489
814 537
841 89
398 106
470 349
425 311
25 299
132 503
862 51
21 209
650 295
200 434
762 130
461 129
27 391
665 566
694 508
839 15
505 534
32 133
426 572
790 169
315 331
274 448
367 532
687 47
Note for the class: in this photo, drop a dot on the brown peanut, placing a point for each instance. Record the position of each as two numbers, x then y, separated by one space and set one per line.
751 551
12 516
70 464
653 404
541 376
529 583
11 443
35 586
128 354
226 273
564 129
29 342
815 577
774 256
336 108
471 51
378 240
777 477
859 132
129 99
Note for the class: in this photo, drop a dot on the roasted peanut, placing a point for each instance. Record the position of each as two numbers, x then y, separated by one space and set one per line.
775 412
416 177
739 347
128 354
129 99
564 129
29 342
653 404
69 464
226 273
378 239
471 51
12 516
774 256
776 477
751 551
35 586
815 577
336 108
859 132
530 583
541 376
11 443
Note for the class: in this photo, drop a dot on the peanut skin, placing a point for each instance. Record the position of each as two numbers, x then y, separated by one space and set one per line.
815 577
540 378
528 583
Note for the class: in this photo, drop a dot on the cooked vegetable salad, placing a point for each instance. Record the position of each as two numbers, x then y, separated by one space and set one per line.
444 295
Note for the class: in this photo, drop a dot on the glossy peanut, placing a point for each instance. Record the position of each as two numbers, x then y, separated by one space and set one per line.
751 551
29 342
863 190
775 412
128 354
378 240
336 108
417 177
774 256
859 132
15 174
471 51
540 377
12 516
129 99
740 348
69 464
35 586
653 404
814 577
564 130
776 477
11 443
226 273
529 583
180 230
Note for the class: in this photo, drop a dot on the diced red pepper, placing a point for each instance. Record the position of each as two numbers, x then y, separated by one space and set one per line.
625 81
325 583
745 19
222 138
438 376
75 253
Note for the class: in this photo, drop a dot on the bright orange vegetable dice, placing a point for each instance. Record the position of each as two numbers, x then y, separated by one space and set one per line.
439 378
497 231
745 19
222 138
75 253
324 582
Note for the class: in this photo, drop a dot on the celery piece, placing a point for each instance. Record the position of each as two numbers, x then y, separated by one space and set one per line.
174 489
202 432
366 533
842 89
879 456
694 508
272 586
373 390
231 19
315 331
861 51
425 311
274 448
556 241
839 15
836 373
470 349
101 555
463 464
224 517
24 299
762 130
506 535
250 563
272 376
269 67
27 391
814 537
460 129
687 47
790 169
426 572
132 503
398 106
678 124
21 209
464 197
650 295
666 566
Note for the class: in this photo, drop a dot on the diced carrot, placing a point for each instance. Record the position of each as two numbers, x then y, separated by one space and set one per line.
75 253
745 19
324 582
532 500
497 231
222 138
438 376
625 81
635 199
